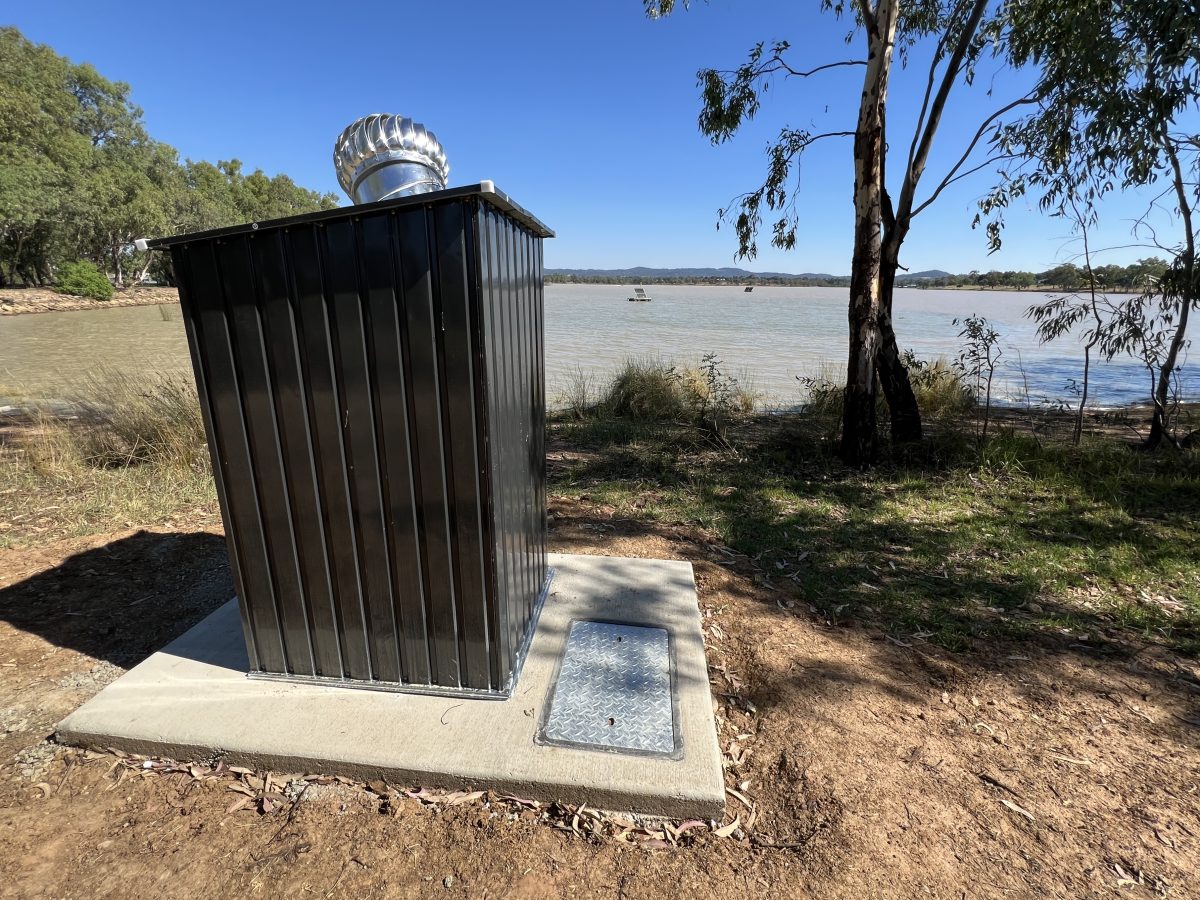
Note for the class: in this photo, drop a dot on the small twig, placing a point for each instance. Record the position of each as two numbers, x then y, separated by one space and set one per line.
1070 759
71 767
772 845
291 812
996 782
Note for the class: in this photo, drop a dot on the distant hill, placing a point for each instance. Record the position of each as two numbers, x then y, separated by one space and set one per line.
923 276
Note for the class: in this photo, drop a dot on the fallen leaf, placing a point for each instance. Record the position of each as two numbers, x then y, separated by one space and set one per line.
520 801
740 796
655 844
729 829
1024 812
378 787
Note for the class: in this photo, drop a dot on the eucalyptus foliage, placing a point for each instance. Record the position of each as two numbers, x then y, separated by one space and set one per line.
1116 106
80 178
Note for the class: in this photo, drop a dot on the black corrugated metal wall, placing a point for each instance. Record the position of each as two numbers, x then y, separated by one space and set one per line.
374 393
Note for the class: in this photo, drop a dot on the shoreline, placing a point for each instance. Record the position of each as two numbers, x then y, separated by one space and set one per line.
30 301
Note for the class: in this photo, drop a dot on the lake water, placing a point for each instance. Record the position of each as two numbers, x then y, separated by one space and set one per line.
770 337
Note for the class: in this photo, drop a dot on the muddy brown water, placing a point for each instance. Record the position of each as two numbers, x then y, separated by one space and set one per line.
771 338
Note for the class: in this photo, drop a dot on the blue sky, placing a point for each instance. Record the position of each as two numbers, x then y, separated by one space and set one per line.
584 112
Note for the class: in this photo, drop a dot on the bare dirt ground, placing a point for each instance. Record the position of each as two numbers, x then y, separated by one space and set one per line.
16 301
866 765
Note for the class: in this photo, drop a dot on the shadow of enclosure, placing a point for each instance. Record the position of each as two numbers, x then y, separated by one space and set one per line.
124 600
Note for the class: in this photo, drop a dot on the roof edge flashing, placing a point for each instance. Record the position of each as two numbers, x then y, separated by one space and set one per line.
486 190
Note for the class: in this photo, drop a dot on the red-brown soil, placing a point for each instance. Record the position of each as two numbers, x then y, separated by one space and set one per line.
869 766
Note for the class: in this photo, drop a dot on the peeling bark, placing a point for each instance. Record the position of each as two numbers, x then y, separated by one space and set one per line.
859 444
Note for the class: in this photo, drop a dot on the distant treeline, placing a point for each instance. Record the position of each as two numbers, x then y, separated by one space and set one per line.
1134 278
80 178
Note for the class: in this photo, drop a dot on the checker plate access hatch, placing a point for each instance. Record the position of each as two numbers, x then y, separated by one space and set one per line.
613 690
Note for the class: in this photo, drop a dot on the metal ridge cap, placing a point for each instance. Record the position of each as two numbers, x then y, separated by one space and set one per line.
485 189
502 201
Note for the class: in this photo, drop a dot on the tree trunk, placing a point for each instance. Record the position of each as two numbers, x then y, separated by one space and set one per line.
1186 290
1162 391
141 276
859 439
893 374
116 260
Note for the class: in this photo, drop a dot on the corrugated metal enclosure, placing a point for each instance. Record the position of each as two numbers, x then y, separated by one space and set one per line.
372 384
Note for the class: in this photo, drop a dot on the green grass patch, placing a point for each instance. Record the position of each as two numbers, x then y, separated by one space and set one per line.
951 542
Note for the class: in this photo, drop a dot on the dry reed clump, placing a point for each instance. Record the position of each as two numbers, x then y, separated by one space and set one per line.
577 394
113 420
650 389
942 388
646 389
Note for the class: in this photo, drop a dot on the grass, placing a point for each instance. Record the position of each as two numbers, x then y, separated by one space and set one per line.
119 420
120 451
953 544
943 393
651 389
953 541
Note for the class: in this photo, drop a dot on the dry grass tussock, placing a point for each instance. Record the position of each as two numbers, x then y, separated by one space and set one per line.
116 449
652 389
114 420
944 392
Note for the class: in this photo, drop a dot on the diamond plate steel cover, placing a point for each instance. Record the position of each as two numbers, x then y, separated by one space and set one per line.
614 690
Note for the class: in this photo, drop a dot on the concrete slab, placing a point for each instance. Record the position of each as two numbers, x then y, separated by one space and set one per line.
193 701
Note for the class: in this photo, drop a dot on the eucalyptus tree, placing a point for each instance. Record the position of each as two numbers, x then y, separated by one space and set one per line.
1116 106
956 34
81 179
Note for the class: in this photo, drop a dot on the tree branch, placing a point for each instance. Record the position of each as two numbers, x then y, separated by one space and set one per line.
1185 207
991 160
868 17
938 53
917 168
888 211
952 174
833 65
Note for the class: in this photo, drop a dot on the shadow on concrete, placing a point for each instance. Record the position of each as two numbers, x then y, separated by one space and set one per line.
123 601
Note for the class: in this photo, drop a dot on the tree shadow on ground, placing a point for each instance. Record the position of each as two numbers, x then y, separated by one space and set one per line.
1050 665
987 561
124 600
